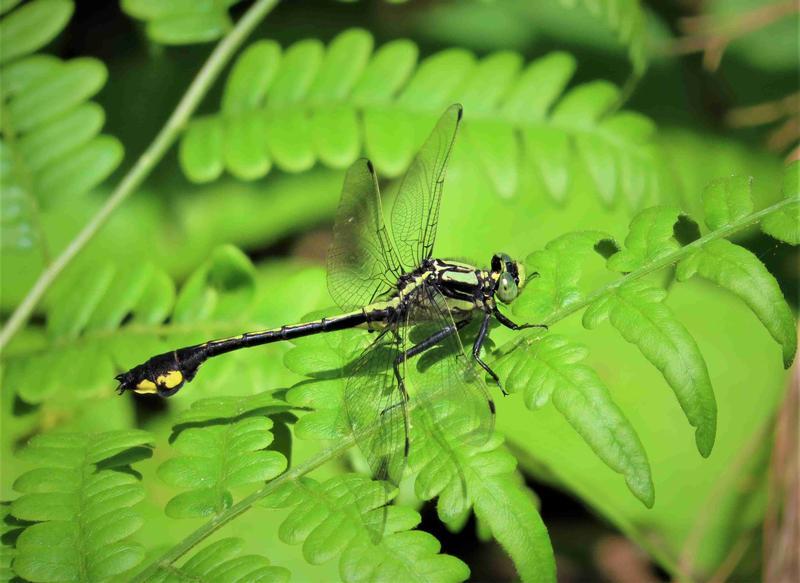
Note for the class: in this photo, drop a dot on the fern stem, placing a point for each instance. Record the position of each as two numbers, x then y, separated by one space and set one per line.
195 538
665 261
145 164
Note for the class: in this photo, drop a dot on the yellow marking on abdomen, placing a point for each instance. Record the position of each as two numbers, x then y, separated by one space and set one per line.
145 387
170 380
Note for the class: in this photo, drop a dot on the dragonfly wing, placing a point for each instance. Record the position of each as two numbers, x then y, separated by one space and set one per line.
361 262
415 213
450 398
376 410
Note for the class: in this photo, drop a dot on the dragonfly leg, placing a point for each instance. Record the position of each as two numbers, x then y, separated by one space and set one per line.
509 324
413 351
476 350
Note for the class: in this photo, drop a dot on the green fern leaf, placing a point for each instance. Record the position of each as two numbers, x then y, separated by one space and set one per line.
738 270
551 369
651 236
440 454
222 561
110 317
785 224
447 463
181 22
10 529
80 498
560 267
312 103
222 454
727 200
331 519
50 146
637 311
627 19
32 26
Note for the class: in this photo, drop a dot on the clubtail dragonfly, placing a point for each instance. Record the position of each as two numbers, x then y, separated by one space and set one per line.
389 284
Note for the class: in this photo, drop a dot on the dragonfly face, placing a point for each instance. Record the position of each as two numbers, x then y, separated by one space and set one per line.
509 276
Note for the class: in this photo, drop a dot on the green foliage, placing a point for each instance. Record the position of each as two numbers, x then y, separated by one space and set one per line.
446 463
737 269
310 103
627 19
79 498
785 225
333 519
51 147
103 320
181 22
526 132
224 447
222 561
551 368
637 311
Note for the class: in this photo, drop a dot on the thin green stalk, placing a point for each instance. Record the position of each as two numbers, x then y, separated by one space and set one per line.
665 261
145 164
195 538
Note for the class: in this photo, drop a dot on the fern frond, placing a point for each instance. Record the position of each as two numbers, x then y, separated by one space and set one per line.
442 459
109 318
627 19
330 519
551 369
51 145
178 22
465 476
79 499
223 448
10 529
637 311
222 561
737 269
785 225
560 268
312 103
651 235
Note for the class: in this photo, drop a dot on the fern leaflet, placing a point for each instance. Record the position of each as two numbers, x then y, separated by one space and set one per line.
310 103
785 225
222 561
223 444
330 519
50 147
79 499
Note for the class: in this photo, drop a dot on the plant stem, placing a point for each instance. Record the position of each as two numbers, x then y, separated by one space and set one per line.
665 261
145 164
195 538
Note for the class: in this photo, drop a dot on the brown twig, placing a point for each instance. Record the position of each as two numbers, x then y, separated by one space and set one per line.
781 529
711 35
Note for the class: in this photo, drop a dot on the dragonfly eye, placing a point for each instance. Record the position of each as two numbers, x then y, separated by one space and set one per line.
506 288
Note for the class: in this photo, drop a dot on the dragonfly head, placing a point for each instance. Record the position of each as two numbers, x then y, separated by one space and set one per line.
158 376
509 275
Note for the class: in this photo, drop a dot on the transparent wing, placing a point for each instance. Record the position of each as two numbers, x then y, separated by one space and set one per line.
376 410
361 262
415 213
450 398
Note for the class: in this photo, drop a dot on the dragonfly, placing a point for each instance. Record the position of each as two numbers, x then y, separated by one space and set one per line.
390 284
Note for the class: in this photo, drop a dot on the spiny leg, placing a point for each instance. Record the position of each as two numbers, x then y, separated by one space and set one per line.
476 350
422 346
512 325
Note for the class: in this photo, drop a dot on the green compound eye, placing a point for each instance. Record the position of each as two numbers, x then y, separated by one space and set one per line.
506 288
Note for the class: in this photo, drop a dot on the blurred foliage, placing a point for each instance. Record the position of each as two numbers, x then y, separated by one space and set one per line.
546 150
